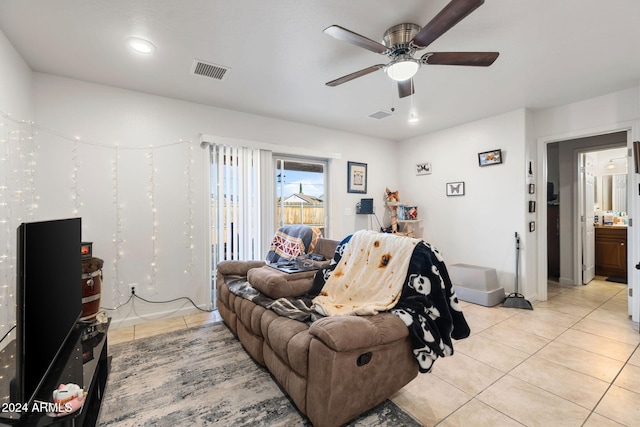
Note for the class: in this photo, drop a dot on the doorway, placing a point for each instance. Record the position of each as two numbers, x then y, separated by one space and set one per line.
565 199
565 217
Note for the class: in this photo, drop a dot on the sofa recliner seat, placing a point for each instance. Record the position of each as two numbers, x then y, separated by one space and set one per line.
333 369
392 311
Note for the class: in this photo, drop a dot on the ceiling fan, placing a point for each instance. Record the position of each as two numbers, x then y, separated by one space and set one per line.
403 40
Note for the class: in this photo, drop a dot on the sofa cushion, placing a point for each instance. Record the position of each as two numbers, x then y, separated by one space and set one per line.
237 268
289 340
336 332
277 284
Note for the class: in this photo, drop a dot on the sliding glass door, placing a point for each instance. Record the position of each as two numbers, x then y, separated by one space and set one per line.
253 193
300 196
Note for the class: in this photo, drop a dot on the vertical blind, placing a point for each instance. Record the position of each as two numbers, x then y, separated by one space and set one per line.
235 201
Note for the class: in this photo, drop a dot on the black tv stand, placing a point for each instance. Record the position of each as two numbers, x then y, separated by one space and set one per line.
83 361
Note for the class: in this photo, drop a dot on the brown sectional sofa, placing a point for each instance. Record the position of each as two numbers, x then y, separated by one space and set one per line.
333 370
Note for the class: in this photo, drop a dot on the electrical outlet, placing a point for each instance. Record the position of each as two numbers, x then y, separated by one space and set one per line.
133 288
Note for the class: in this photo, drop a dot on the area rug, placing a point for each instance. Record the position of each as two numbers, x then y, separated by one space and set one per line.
202 376
617 279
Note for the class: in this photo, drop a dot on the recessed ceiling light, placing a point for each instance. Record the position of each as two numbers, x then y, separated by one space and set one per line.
141 45
413 118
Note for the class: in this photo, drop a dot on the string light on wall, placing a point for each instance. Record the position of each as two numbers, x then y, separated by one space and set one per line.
6 296
117 236
154 221
19 198
75 192
18 202
189 222
32 175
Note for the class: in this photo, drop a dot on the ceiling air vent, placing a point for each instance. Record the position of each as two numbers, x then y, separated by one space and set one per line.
205 69
380 115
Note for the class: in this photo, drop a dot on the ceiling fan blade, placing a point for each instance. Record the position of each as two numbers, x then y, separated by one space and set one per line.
474 59
452 13
405 88
348 36
352 76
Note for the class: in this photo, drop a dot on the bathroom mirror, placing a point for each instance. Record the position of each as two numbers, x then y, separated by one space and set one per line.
611 192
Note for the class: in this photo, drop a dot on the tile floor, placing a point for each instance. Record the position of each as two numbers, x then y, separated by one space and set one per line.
156 327
572 361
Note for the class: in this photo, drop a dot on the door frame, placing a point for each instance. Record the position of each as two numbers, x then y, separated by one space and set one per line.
633 134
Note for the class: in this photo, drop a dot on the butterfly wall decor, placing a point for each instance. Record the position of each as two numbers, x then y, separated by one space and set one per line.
455 188
423 168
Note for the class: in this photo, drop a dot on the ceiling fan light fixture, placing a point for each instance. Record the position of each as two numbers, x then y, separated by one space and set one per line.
402 69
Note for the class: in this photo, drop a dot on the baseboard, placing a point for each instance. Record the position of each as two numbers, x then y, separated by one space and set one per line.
565 281
158 315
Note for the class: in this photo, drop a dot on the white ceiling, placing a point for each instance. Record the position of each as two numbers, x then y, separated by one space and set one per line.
551 53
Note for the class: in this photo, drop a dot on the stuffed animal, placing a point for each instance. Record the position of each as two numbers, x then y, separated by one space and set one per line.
411 212
393 197
69 397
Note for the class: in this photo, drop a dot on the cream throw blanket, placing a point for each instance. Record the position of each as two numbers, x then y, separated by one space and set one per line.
370 276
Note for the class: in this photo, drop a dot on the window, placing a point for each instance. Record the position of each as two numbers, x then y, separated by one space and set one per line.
300 196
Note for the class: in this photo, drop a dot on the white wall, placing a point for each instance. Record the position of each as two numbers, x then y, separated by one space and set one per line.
15 107
479 227
588 117
102 117
15 85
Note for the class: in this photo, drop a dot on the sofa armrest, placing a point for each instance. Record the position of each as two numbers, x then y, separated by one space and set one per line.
344 333
238 268
278 284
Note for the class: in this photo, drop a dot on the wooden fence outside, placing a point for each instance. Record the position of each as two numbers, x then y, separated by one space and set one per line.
301 213
294 214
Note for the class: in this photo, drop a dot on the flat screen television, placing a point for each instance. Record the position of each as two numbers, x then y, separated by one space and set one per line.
49 299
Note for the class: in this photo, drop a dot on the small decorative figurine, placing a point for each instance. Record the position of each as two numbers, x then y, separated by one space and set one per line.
393 197
68 398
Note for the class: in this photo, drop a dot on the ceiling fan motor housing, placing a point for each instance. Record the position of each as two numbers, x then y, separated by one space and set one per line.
398 38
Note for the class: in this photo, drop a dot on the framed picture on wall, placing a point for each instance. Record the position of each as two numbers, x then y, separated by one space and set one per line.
455 188
356 177
493 157
423 168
